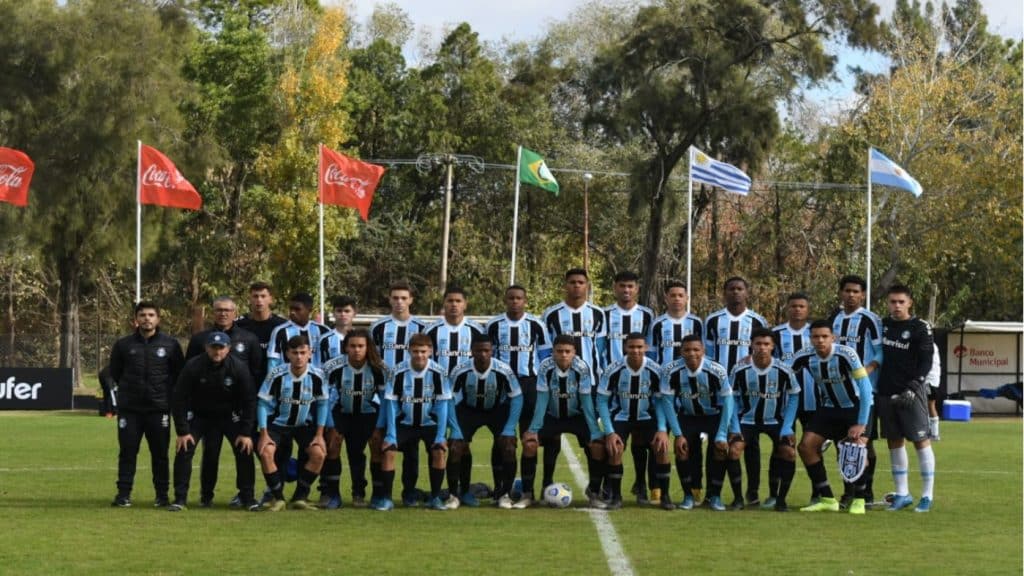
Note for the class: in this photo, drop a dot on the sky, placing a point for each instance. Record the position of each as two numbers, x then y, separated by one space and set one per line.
528 19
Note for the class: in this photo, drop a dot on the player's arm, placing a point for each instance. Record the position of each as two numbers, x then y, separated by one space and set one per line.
587 405
453 421
789 412
515 406
179 402
116 361
728 409
860 378
925 346
444 403
603 399
245 399
175 362
540 407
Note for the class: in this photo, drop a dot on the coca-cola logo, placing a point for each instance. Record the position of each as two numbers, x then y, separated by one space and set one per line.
154 176
11 175
334 176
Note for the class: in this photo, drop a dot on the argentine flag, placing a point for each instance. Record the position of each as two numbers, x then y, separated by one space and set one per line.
883 171
705 169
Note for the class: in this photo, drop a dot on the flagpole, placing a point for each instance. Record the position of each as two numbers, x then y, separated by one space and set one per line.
138 221
689 228
868 295
515 218
320 201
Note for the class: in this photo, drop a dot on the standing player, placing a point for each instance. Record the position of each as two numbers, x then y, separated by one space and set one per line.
261 321
791 338
696 398
861 329
768 395
356 381
565 405
520 341
292 408
625 317
418 399
214 399
332 345
300 309
485 393
845 404
145 365
629 386
727 340
902 395
670 328
391 334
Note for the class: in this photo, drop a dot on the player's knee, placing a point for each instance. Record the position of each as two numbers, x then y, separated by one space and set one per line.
736 450
530 446
786 452
597 451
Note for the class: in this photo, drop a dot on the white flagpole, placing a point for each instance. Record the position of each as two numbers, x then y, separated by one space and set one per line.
689 229
515 218
320 201
868 295
138 221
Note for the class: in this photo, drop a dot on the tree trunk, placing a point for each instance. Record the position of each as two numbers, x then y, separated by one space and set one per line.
70 336
649 285
713 252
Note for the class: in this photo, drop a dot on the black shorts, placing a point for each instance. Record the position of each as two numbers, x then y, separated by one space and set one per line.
471 420
529 387
773 431
642 431
283 436
355 428
834 423
906 423
409 436
552 430
693 426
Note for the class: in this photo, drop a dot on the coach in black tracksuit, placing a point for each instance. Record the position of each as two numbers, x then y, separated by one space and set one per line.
145 365
215 397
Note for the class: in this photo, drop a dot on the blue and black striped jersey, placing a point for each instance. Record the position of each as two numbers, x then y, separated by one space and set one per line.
667 335
862 331
699 393
418 397
289 400
840 378
452 344
621 323
764 394
519 343
625 395
278 344
391 336
354 390
332 345
727 337
484 391
566 391
789 342
586 325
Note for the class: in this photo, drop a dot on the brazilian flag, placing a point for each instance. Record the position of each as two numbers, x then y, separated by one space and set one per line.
533 170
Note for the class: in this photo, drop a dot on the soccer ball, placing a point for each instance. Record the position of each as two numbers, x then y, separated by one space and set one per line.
558 495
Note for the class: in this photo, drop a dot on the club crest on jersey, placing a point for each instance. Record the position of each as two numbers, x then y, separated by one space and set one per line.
853 459
905 334
122 423
240 347
228 381
161 352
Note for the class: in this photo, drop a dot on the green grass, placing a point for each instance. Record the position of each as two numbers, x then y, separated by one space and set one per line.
57 474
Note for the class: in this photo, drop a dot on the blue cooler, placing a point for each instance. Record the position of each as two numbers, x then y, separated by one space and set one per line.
959 410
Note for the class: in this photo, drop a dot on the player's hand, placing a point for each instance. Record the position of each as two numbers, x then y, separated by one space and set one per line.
789 440
244 444
660 442
440 445
856 433
183 443
318 442
682 448
264 444
530 437
385 446
721 449
613 444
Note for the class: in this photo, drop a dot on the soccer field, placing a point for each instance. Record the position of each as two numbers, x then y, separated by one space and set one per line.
57 474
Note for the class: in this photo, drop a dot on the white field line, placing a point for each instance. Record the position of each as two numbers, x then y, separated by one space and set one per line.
618 563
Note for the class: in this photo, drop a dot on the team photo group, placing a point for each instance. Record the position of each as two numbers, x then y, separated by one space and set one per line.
300 398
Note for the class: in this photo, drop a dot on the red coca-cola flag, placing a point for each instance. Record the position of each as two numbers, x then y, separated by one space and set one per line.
161 184
348 182
16 170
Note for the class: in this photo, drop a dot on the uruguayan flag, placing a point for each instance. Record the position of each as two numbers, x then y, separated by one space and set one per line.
886 172
705 169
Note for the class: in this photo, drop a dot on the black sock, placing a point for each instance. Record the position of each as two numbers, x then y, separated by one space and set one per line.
529 474
869 475
639 466
508 476
387 482
497 467
615 480
465 473
683 471
819 478
331 475
302 485
652 469
454 470
735 478
773 477
550 458
597 473
716 477
786 471
376 479
662 475
274 484
436 478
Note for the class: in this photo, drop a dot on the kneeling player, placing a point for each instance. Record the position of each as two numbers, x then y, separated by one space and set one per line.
292 407
630 387
418 398
768 394
845 394
696 397
486 393
564 405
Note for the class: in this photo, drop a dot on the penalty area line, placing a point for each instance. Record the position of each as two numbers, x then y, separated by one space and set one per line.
618 563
